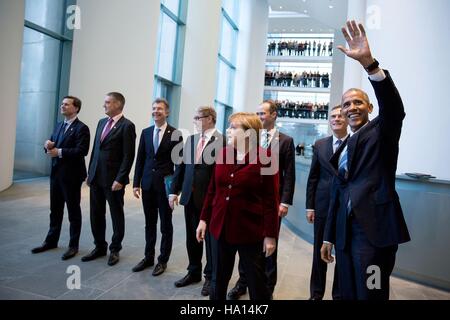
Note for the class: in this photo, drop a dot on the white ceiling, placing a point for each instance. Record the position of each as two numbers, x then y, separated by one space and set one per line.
318 15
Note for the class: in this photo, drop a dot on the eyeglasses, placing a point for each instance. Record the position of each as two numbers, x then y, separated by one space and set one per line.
198 118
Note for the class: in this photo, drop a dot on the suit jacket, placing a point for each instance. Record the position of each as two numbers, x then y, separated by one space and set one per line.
241 204
150 166
370 185
318 188
112 159
193 179
286 156
74 145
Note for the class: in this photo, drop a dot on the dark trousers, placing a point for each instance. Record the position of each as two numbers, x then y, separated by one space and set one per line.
253 262
98 197
195 248
271 269
319 267
154 201
353 263
62 192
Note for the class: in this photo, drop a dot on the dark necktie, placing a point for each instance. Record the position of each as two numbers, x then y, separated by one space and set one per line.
61 134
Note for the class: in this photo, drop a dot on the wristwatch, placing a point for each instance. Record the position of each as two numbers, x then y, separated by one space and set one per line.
375 64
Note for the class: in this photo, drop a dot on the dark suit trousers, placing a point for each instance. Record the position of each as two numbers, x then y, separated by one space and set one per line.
353 263
154 201
319 267
69 193
195 248
253 262
98 197
271 269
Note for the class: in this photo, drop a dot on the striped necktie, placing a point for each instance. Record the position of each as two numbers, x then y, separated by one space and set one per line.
342 166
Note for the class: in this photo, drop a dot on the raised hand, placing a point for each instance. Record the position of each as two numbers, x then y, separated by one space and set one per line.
358 45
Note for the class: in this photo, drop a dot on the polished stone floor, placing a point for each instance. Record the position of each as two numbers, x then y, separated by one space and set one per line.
24 222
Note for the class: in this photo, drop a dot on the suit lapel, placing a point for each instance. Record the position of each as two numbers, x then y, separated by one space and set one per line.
165 139
150 139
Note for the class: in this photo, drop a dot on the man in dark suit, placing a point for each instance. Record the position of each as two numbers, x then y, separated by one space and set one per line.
282 147
111 160
318 197
365 220
67 147
155 163
192 178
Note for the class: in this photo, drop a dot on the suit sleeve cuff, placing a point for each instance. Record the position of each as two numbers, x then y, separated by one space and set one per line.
285 205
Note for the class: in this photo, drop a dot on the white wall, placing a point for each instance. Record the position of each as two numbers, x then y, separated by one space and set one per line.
11 38
251 55
200 59
412 42
115 50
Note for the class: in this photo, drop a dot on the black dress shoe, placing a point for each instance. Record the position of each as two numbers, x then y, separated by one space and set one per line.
187 280
96 253
113 258
236 292
159 269
44 247
70 253
206 288
315 298
145 263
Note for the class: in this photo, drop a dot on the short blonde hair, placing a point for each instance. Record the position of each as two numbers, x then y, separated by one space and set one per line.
248 121
207 111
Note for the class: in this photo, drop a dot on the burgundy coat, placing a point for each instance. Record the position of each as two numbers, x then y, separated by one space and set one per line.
241 203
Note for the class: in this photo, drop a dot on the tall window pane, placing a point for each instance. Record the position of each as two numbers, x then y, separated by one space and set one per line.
228 41
224 82
46 13
168 41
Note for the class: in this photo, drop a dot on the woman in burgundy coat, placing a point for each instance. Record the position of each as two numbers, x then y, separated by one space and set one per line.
241 208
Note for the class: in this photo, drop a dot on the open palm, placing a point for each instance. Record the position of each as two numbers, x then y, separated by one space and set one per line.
358 46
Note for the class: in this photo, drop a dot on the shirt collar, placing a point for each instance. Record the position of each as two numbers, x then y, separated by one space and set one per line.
70 121
163 127
335 139
209 133
352 133
117 118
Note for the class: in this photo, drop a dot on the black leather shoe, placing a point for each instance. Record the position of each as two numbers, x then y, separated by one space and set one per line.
236 292
70 253
315 298
187 280
159 269
113 258
206 288
96 253
44 247
145 263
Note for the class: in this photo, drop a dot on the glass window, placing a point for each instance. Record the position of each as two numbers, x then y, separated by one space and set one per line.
167 47
48 14
225 77
228 43
172 5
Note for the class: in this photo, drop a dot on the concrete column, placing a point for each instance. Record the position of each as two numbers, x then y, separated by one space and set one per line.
11 37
